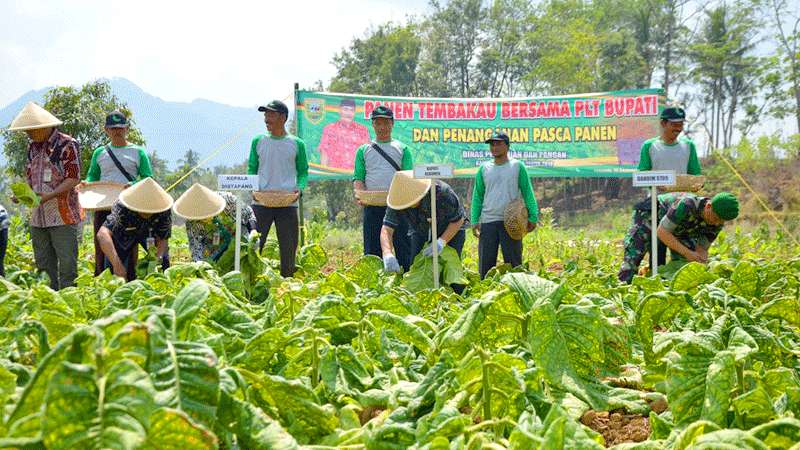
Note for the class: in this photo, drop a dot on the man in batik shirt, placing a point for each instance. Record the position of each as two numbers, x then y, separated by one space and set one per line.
52 171
688 224
210 218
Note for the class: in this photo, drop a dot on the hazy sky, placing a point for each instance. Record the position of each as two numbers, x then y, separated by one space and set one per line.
235 52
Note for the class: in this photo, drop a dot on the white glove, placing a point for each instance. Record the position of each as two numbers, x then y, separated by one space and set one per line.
390 263
439 247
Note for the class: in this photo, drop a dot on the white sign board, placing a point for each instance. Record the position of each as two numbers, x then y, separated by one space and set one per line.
238 182
651 178
433 171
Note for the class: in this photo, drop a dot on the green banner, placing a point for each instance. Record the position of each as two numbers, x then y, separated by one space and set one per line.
588 135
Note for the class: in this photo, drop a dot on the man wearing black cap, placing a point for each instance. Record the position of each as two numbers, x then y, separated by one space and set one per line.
670 152
119 162
498 183
375 165
337 147
279 160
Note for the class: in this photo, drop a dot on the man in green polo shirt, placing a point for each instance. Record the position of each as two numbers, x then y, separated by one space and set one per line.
279 159
121 162
670 151
375 166
498 183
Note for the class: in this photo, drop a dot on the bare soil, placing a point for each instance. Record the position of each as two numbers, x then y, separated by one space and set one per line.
617 427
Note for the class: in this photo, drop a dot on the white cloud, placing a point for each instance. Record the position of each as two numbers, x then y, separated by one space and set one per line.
236 52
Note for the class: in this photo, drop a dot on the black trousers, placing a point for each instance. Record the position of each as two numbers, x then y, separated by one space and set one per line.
100 259
373 221
3 247
494 235
287 226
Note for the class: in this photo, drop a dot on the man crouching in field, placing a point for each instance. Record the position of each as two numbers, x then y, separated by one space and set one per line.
688 224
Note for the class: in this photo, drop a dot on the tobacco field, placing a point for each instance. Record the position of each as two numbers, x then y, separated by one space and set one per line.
560 356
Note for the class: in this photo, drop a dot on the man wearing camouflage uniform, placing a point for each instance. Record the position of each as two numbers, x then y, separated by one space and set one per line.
688 224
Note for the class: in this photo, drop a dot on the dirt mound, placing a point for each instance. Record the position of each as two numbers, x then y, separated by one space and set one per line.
616 427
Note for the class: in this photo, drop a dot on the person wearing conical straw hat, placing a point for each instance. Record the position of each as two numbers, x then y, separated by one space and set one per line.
499 182
141 216
409 200
279 159
117 162
375 165
52 171
687 223
210 218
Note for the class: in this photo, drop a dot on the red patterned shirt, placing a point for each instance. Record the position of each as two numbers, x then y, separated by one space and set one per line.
339 142
49 164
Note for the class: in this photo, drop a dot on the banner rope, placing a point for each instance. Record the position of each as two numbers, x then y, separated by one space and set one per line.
215 152
763 204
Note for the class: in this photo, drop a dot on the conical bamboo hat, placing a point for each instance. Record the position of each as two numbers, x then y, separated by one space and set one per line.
198 203
146 197
406 190
32 117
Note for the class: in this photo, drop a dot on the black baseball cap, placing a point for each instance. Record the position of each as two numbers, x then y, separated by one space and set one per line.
673 114
115 119
382 111
498 136
275 105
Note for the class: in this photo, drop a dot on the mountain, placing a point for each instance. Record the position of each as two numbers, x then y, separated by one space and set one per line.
171 128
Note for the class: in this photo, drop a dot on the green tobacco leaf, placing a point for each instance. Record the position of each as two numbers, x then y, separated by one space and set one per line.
420 275
780 434
296 404
754 407
25 419
690 365
8 383
464 330
691 276
25 194
185 375
252 427
366 272
728 439
685 438
312 258
745 280
550 349
171 429
187 304
530 288
87 409
741 344
404 329
562 432
720 381
656 309
786 308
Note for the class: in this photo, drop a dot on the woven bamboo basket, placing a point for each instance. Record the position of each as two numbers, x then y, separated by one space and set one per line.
686 183
99 195
515 219
372 198
275 199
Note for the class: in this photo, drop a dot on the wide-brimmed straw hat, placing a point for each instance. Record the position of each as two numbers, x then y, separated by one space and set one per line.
32 117
198 203
99 195
515 219
146 197
405 190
